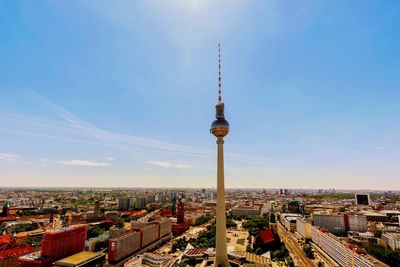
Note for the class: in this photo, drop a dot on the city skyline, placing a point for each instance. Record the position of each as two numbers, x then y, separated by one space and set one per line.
94 94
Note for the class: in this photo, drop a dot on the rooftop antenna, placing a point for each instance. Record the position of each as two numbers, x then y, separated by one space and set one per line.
219 74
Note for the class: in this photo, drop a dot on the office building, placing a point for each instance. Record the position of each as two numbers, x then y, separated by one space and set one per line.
125 203
343 253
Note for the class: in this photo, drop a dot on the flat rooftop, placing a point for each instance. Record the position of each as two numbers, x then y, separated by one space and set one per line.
79 258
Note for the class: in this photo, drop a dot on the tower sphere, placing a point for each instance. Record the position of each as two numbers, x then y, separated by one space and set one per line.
220 127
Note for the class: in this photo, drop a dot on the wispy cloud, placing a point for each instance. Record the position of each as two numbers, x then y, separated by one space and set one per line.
70 128
86 163
169 165
380 148
9 157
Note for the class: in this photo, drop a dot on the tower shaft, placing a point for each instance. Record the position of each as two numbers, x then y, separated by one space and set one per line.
221 257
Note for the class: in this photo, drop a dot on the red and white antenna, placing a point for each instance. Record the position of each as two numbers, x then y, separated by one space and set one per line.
219 74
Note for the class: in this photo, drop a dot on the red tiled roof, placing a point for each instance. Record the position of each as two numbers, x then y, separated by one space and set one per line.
16 251
8 218
265 236
5 239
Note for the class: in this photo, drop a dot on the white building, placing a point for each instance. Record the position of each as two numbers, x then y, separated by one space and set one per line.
392 240
341 252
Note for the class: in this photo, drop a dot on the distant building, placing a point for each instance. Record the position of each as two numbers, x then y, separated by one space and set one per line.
362 199
161 197
150 199
212 195
140 202
126 203
181 212
334 223
245 211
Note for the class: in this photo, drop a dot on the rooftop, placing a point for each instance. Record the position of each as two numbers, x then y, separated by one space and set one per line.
79 258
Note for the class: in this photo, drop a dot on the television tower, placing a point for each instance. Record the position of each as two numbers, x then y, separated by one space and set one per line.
220 128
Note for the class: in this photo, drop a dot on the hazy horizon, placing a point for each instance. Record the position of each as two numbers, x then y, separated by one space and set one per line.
95 94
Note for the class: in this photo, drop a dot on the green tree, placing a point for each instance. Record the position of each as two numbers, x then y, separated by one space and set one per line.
390 257
259 251
248 248
308 252
95 232
202 220
255 224
289 261
179 244
119 222
378 233
230 223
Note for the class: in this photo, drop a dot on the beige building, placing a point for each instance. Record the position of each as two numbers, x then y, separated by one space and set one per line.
303 227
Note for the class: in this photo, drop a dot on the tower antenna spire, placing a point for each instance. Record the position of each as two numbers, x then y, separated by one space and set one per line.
219 74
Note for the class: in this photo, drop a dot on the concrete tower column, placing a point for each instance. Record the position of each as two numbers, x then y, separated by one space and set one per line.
221 256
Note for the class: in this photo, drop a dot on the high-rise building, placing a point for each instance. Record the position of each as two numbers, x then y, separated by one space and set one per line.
220 128
181 212
140 202
161 197
150 199
56 245
125 203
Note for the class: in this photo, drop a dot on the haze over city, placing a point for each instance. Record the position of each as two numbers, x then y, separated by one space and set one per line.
95 94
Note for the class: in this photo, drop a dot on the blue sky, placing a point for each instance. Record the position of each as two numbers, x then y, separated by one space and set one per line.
99 93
